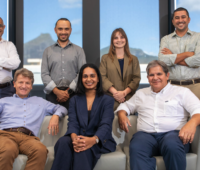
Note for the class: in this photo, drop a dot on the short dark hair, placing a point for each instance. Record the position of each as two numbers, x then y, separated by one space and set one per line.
155 63
65 19
180 9
80 89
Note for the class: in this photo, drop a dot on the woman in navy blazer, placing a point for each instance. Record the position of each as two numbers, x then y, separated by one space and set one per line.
89 132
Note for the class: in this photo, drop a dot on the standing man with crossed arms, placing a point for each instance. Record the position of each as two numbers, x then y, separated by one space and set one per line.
9 60
61 63
180 50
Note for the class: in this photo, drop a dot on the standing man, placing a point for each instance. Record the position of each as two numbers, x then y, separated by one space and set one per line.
180 50
21 117
162 125
60 65
9 60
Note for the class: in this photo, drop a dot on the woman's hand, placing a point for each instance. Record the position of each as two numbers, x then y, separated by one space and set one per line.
85 142
119 96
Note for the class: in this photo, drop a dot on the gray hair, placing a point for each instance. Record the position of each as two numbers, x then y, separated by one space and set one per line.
155 63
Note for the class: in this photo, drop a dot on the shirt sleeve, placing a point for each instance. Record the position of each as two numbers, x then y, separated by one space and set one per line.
194 61
12 61
168 59
45 74
103 70
81 62
191 103
129 106
55 109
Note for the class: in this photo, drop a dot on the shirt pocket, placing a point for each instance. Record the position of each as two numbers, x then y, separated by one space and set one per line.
170 108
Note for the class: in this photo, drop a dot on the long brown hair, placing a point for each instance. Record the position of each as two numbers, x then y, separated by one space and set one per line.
112 52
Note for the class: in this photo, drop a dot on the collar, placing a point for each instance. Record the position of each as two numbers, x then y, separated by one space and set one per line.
2 40
188 32
69 43
16 96
163 91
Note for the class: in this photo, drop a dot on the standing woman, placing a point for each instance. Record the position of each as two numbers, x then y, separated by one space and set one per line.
90 124
119 69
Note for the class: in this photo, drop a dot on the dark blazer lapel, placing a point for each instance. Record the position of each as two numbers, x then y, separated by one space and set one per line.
82 107
116 62
126 61
95 106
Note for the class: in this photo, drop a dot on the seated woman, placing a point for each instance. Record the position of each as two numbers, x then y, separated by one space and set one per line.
120 69
89 127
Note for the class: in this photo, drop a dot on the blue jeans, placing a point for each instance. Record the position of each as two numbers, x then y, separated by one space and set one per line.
144 146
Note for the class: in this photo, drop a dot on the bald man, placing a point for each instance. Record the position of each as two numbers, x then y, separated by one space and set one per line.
9 60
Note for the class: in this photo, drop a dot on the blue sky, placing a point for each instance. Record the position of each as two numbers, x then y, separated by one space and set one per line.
139 19
3 15
40 17
193 6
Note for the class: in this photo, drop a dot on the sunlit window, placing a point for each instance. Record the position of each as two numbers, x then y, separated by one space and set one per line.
39 22
140 20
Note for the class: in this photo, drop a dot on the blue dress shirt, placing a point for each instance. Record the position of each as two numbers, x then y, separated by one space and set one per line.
28 112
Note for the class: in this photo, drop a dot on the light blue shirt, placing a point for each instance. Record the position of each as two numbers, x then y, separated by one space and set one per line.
28 112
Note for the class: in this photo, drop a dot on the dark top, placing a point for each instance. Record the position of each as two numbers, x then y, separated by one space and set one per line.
121 63
89 113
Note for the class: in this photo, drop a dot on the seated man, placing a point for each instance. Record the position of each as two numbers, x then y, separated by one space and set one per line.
163 111
20 119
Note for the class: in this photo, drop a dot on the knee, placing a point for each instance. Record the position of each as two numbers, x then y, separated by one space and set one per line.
174 148
134 147
63 142
40 151
9 151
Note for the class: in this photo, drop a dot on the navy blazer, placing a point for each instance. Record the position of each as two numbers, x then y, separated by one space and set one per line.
101 119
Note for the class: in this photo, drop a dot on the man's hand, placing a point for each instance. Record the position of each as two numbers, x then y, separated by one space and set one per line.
123 121
54 125
183 63
119 96
62 96
166 51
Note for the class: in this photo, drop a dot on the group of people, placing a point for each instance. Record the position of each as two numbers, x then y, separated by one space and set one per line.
90 96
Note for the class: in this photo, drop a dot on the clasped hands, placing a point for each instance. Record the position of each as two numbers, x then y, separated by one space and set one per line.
119 96
82 143
62 95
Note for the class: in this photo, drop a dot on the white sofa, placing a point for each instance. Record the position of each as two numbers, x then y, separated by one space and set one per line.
118 160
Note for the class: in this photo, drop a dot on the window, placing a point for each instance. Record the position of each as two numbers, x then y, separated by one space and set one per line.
140 21
193 8
4 16
39 22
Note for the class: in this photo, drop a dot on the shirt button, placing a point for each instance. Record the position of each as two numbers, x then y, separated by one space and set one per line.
24 121
63 69
24 110
63 55
63 62
63 77
24 104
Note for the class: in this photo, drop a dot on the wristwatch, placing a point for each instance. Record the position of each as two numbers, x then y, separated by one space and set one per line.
70 91
97 139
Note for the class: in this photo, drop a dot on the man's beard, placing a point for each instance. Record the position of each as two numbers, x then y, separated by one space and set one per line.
63 40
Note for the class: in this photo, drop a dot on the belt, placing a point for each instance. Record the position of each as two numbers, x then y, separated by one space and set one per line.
5 85
185 82
20 129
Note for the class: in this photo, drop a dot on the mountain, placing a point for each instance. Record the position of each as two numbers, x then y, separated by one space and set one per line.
36 47
142 57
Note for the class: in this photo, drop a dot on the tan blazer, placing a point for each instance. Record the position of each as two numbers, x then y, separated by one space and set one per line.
111 75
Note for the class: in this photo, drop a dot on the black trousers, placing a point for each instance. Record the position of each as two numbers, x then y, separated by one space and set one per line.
52 98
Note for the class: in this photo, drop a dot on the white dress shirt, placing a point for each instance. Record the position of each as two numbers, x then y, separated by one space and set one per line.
164 111
9 59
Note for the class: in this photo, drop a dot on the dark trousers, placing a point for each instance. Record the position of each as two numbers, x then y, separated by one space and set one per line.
144 146
67 159
52 98
7 91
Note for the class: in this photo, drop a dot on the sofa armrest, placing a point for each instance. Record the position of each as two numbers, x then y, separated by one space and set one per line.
49 140
195 146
